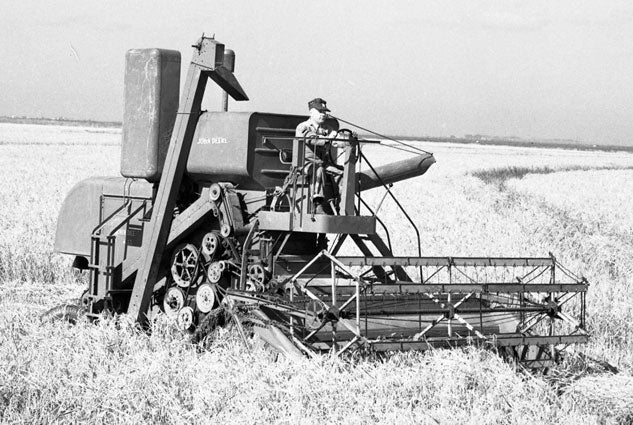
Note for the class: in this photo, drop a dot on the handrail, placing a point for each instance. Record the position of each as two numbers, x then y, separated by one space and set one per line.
415 228
329 139
108 218
377 219
128 218
299 168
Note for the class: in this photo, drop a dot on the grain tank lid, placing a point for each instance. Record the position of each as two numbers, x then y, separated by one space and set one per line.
277 114
164 55
291 120
256 114
253 116
280 114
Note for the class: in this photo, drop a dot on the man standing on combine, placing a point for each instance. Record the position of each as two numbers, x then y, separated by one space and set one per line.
319 163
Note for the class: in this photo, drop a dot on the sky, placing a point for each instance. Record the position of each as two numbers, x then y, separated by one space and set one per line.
530 69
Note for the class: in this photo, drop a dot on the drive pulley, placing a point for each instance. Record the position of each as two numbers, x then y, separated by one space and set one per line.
257 278
211 245
173 301
215 270
185 265
205 297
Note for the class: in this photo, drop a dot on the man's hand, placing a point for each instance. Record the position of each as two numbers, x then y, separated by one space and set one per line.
333 135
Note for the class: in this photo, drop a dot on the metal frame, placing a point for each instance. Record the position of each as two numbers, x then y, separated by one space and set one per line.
351 300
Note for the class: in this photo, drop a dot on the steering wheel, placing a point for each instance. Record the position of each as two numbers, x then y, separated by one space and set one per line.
345 131
349 132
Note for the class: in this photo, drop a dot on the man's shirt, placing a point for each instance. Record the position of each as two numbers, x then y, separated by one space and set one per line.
314 148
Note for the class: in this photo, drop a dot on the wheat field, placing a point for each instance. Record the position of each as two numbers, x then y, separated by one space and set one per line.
476 200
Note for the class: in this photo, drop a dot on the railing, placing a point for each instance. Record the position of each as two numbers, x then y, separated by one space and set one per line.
400 207
302 168
101 267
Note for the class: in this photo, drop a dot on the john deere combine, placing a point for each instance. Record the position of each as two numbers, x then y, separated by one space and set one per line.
214 212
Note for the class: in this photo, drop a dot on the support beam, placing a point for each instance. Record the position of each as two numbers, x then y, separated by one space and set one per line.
348 183
383 249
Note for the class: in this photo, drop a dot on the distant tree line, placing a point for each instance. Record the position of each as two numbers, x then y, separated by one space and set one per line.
58 121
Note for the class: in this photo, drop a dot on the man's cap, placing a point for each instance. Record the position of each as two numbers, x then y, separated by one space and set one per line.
318 104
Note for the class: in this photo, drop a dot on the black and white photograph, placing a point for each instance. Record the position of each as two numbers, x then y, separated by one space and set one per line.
300 212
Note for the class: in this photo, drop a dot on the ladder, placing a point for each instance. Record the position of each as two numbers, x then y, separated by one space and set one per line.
103 260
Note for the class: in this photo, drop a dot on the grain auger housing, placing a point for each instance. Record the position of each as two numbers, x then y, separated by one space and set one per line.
215 211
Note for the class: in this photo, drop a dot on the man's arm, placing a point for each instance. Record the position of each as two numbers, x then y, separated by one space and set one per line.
305 131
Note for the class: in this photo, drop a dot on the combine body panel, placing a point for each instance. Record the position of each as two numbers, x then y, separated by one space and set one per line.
89 203
152 86
233 224
234 147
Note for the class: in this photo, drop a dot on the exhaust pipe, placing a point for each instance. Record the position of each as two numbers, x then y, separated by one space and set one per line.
229 64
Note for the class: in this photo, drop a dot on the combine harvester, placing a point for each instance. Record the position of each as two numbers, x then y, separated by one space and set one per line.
213 213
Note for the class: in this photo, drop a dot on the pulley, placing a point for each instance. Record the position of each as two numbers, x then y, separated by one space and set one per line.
257 278
215 270
215 192
205 298
184 265
211 245
226 230
257 273
173 301
185 318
